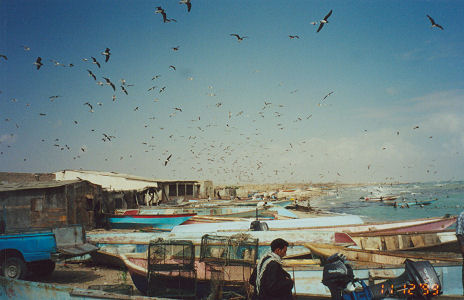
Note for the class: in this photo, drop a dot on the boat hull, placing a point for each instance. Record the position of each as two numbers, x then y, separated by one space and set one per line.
151 221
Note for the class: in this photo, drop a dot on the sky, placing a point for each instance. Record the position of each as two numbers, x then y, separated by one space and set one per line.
377 95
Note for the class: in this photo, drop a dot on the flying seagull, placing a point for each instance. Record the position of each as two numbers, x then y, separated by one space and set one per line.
323 21
327 95
172 67
89 105
107 54
186 2
433 23
3 56
124 90
239 38
160 10
108 81
167 160
91 74
95 61
38 62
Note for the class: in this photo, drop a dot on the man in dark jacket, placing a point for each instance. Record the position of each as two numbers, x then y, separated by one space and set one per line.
270 280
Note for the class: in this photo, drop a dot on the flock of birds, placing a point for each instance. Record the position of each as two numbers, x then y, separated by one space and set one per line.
216 154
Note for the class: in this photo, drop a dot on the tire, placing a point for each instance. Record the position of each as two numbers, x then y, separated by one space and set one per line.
14 267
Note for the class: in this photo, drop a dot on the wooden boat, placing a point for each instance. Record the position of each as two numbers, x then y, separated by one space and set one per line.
161 221
216 210
290 224
381 257
433 241
114 243
409 203
235 276
381 198
307 275
334 223
20 289
414 225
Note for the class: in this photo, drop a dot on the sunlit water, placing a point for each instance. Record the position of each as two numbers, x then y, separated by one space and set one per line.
450 197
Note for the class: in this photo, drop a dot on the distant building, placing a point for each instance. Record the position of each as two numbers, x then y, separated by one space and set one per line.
50 204
129 191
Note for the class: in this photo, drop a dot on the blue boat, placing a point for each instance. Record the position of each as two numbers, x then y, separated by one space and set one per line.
159 222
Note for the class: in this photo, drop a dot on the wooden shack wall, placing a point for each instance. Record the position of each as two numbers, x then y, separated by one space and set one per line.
50 207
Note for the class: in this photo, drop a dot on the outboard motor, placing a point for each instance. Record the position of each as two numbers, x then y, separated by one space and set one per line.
337 275
259 226
418 281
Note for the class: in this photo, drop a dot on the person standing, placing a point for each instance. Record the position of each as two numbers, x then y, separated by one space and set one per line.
460 237
269 278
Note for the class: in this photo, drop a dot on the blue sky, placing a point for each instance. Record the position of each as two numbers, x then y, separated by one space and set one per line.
252 111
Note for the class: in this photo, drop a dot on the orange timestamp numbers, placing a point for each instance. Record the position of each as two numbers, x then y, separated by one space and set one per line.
411 289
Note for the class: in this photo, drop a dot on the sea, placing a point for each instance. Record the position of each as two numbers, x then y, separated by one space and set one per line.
449 197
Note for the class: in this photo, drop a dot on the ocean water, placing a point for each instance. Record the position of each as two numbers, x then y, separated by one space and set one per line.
449 195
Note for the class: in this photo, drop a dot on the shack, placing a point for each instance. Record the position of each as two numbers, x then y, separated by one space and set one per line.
50 204
122 191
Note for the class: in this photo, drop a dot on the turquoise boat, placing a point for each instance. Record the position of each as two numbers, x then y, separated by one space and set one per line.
157 222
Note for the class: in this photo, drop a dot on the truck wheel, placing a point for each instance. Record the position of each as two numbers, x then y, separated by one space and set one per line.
14 267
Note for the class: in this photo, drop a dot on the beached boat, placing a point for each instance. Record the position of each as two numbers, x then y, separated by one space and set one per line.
112 244
381 257
339 223
307 275
30 290
432 241
234 276
295 224
161 221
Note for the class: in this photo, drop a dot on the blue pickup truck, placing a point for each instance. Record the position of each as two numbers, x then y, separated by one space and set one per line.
35 251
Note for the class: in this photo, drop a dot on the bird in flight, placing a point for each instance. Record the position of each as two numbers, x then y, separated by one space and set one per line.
124 90
239 38
186 2
293 37
167 159
327 95
96 62
108 81
3 56
160 10
91 74
433 23
107 54
323 21
38 62
89 105
175 48
172 67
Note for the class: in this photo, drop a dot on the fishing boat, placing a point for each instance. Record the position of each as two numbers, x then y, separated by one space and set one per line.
137 266
409 203
337 223
290 224
381 257
432 241
380 198
160 221
307 275
20 289
112 244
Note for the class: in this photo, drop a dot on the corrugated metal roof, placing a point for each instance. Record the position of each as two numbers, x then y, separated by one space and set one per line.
17 186
126 176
